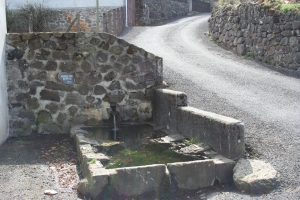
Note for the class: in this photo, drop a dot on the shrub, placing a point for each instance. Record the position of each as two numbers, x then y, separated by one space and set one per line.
295 7
18 20
228 2
9 18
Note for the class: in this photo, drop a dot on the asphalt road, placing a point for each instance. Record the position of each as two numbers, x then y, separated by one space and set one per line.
265 98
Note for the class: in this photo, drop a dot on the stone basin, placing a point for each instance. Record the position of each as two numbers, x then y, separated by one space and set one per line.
157 180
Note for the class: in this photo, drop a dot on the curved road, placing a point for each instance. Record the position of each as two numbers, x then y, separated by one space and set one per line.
266 100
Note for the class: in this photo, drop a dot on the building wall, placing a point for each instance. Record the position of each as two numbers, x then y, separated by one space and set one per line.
13 4
3 93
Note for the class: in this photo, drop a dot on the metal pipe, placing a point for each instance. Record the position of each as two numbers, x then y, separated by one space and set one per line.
97 15
126 2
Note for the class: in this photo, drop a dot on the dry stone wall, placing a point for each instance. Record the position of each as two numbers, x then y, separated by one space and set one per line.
257 31
151 11
106 70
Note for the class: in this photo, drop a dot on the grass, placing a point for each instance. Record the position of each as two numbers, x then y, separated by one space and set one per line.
249 55
277 4
195 140
295 7
228 2
94 160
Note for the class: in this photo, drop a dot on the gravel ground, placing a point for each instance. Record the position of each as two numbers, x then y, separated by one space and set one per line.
31 165
265 98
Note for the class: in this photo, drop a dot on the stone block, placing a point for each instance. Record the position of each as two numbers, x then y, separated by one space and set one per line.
34 44
51 128
33 103
86 66
74 98
60 55
50 95
51 66
27 115
58 86
45 36
143 179
224 134
104 46
115 85
68 35
22 97
94 78
240 50
95 41
51 45
117 50
164 107
178 98
192 175
99 184
146 66
52 107
44 117
68 66
115 96
99 90
102 57
255 176
110 76
124 60
144 110
83 89
61 118
223 169
297 58
72 110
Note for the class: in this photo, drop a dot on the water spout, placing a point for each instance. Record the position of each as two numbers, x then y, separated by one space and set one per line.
114 113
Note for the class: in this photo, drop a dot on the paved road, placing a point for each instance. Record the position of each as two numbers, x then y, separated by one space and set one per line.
265 99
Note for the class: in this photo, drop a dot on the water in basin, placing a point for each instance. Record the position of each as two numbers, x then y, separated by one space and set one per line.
134 146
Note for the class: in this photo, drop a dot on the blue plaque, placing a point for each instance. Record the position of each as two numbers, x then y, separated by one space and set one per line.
66 78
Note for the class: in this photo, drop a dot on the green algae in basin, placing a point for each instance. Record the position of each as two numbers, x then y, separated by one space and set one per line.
134 146
145 155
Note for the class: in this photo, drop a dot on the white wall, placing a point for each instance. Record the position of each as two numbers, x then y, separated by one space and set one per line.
13 4
3 92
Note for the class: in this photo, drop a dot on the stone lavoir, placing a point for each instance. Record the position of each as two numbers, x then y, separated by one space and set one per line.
64 82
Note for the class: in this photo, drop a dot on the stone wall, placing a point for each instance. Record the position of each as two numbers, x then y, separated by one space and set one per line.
87 15
114 21
107 71
151 11
3 93
257 31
